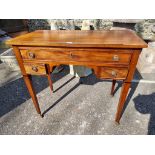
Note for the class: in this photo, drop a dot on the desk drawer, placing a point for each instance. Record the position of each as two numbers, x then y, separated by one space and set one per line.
80 55
35 69
113 73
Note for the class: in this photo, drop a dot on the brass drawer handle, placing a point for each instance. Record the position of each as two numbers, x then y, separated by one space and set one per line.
31 55
71 55
34 68
115 58
113 73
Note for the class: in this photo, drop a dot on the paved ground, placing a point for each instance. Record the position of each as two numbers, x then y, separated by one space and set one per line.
74 109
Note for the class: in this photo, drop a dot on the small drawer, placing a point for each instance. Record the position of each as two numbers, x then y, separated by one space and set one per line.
113 73
35 69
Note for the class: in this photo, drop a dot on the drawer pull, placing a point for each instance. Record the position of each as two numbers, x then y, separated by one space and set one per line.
71 55
34 68
115 58
31 55
113 73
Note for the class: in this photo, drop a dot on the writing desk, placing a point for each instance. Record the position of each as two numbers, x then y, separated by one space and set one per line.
112 54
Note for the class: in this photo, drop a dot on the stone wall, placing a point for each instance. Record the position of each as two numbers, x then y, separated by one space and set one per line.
95 24
146 29
38 24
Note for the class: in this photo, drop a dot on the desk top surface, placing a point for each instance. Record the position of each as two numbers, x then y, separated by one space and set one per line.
84 38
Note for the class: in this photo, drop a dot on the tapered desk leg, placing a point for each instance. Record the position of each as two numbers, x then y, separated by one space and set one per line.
49 77
113 87
124 93
32 92
50 82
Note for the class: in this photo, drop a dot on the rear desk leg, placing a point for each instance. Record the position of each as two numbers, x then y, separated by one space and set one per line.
49 76
113 87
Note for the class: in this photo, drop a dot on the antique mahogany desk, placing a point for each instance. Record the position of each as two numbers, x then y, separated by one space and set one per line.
112 54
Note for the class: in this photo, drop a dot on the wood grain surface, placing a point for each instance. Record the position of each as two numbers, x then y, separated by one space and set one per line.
76 38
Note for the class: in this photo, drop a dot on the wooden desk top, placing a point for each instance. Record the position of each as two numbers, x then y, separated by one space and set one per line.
76 38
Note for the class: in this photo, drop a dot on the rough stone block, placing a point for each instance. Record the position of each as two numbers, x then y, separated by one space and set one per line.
146 62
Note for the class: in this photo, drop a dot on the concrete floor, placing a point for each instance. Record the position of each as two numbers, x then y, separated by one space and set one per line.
74 108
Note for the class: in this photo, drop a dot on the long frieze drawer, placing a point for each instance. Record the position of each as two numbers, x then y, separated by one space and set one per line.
78 55
35 69
113 73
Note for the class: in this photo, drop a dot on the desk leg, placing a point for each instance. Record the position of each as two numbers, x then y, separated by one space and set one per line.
124 92
49 70
32 92
50 82
113 87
